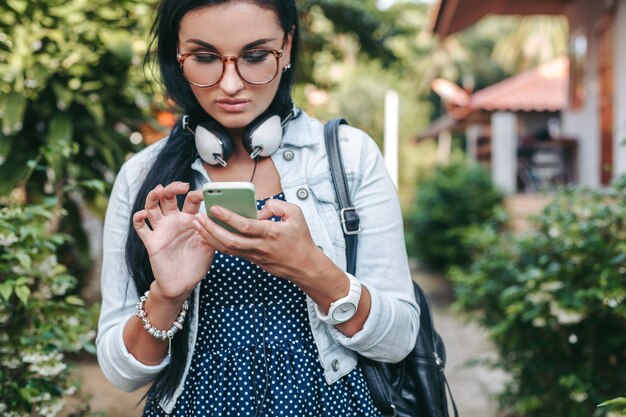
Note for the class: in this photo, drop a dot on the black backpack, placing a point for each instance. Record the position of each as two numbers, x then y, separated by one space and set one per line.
416 386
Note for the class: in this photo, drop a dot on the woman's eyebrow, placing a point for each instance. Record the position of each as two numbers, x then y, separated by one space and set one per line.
247 46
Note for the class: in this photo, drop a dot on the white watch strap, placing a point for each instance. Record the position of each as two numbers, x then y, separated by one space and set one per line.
354 295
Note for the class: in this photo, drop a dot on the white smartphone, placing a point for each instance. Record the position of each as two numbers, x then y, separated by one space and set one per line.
238 197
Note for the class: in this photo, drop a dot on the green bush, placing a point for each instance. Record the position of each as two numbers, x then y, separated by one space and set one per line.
40 319
452 207
553 301
72 89
72 93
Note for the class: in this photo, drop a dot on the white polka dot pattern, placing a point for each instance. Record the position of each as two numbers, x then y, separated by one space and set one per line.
255 354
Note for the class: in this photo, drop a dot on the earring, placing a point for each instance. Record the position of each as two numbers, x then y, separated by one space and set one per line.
286 67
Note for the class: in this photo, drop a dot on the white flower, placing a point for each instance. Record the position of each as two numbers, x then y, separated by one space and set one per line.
554 232
564 316
36 357
539 322
46 370
551 286
612 302
578 396
538 297
51 409
572 339
8 240
11 363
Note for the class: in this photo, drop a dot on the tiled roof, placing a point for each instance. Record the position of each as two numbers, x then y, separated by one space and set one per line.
544 88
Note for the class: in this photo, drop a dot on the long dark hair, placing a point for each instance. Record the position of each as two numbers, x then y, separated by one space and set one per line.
173 163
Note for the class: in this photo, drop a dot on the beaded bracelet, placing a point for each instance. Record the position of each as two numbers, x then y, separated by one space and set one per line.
161 334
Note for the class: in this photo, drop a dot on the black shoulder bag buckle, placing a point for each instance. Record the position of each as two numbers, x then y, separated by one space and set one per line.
416 386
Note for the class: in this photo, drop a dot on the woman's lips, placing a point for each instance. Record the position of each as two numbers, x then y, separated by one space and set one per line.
233 106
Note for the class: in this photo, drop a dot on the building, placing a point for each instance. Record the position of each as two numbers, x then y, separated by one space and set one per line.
595 114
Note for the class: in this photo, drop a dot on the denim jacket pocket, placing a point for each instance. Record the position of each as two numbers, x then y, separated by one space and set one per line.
326 207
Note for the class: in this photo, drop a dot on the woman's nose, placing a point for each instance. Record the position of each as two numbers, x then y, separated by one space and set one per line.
231 81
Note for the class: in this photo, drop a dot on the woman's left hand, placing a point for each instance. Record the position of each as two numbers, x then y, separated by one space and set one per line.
282 248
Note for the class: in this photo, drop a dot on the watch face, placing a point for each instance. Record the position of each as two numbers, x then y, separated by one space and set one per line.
344 312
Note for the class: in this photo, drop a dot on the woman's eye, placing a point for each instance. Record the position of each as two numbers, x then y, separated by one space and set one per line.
206 58
256 56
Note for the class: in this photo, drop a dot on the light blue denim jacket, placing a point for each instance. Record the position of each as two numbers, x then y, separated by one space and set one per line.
390 331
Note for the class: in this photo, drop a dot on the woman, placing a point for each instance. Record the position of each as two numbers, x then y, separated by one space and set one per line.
250 323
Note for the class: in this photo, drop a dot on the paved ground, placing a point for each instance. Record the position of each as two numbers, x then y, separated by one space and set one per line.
473 387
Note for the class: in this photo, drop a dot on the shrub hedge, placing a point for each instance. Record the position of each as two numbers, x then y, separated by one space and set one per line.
553 301
450 206
40 318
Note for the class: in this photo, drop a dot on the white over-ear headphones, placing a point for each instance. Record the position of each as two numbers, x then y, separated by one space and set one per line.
262 137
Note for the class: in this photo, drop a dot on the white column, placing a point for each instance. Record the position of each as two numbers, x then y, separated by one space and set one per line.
504 151
444 146
619 115
392 104
472 133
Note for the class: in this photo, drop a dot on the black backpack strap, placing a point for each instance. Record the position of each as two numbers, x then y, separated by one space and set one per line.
349 217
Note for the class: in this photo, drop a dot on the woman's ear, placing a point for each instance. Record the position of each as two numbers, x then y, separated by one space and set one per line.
287 47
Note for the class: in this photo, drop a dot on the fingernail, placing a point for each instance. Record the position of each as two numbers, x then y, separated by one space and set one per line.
217 211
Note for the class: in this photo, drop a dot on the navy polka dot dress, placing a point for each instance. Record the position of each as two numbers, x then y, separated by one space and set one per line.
255 354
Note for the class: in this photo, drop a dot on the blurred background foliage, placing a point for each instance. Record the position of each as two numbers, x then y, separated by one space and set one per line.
456 208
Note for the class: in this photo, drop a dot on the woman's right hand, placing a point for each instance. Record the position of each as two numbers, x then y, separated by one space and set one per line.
179 256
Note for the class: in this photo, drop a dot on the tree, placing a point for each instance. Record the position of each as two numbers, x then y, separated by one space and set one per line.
72 92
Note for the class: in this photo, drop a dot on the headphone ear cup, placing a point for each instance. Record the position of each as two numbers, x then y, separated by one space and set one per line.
263 135
213 143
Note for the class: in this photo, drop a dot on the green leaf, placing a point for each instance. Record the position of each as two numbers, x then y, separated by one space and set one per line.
5 291
91 348
22 281
25 393
22 293
118 43
18 5
64 96
24 259
614 401
74 300
61 129
97 112
98 186
5 145
14 106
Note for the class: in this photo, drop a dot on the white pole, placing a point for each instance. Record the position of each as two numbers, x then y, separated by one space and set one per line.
504 151
392 104
444 147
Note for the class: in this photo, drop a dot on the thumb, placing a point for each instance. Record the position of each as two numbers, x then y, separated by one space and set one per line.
276 208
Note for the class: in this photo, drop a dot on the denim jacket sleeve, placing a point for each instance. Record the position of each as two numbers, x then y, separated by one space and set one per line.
118 291
390 331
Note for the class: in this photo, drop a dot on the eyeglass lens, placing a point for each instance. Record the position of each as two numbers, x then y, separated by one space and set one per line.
255 66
